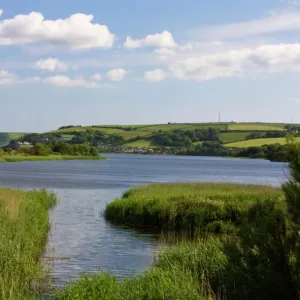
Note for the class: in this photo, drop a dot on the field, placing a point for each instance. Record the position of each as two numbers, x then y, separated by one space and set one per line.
230 137
187 206
258 142
24 226
255 127
139 144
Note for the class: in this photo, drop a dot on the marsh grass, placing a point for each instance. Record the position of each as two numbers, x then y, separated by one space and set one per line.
181 272
24 226
190 207
19 158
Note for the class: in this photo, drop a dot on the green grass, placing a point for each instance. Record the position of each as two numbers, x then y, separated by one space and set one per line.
139 144
19 158
180 272
24 226
170 127
202 206
230 137
258 142
255 127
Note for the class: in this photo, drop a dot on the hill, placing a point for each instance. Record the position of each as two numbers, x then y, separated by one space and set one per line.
6 137
230 132
201 139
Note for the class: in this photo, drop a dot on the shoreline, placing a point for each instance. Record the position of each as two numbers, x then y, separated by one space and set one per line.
20 158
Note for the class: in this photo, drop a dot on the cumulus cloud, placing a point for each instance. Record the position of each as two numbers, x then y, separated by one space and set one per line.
51 64
155 75
75 32
65 81
96 77
157 40
283 22
1 12
116 74
266 58
7 78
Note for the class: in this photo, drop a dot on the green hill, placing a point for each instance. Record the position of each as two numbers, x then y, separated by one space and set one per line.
6 137
140 135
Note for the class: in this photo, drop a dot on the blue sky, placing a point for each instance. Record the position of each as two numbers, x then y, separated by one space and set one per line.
140 62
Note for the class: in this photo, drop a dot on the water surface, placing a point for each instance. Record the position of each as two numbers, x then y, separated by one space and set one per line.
80 236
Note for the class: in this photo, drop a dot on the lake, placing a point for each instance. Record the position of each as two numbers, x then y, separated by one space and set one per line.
81 240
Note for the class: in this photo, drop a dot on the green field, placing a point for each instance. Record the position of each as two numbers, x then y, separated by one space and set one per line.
255 127
258 142
230 137
139 144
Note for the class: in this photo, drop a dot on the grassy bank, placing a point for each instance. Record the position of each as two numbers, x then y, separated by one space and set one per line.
24 226
179 273
202 206
19 158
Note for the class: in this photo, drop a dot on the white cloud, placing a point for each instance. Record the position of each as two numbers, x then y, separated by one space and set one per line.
52 65
96 77
266 58
75 32
155 75
7 78
1 12
271 24
65 81
116 74
157 40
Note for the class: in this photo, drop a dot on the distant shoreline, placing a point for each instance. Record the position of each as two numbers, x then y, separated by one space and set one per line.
20 158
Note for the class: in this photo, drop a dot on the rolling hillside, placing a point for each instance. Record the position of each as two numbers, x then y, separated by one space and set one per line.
230 133
233 135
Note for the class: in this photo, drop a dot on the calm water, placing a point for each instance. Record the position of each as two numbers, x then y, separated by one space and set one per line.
81 237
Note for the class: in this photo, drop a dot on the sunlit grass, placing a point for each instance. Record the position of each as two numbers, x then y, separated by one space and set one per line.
259 142
205 206
19 158
24 226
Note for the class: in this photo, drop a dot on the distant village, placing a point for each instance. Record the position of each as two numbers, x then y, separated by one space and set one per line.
135 150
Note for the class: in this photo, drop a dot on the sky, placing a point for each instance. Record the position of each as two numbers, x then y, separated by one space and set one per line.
144 62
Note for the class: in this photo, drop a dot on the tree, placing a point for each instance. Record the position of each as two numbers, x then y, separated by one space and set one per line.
265 263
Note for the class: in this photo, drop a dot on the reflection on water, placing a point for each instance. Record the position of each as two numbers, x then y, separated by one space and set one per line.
81 240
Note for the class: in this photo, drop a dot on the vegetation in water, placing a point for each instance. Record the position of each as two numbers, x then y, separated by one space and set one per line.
189 207
24 226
